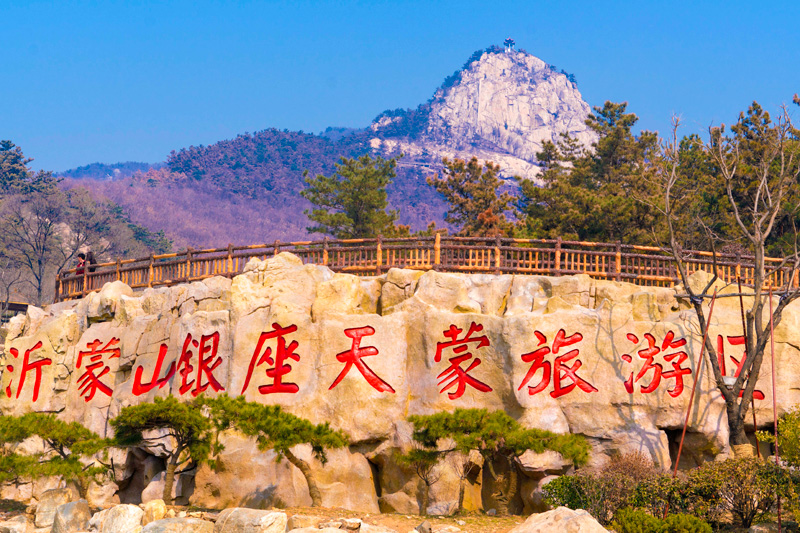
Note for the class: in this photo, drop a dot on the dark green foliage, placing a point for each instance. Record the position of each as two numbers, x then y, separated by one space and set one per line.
263 164
189 429
488 432
477 208
566 491
103 171
499 438
351 203
684 523
13 167
407 123
635 521
743 488
595 195
273 428
788 437
278 431
69 448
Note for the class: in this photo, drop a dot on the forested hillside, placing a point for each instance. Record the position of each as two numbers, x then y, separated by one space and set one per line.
246 190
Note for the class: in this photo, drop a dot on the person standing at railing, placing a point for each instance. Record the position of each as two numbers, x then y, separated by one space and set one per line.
91 263
80 268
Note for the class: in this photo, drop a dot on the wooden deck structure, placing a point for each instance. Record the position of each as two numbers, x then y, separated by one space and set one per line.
10 309
643 265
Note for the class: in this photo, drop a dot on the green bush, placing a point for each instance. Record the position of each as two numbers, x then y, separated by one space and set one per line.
605 491
788 437
635 521
564 491
746 487
684 523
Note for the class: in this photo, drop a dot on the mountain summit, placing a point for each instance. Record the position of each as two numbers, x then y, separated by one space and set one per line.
501 106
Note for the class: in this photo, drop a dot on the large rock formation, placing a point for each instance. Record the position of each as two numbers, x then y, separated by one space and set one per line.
501 107
569 354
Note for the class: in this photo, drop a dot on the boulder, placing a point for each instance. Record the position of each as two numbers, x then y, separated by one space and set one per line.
49 502
72 517
153 510
179 525
538 464
398 502
301 520
123 517
563 520
241 520
18 524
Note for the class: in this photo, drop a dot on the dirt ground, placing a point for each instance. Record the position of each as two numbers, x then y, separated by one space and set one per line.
467 523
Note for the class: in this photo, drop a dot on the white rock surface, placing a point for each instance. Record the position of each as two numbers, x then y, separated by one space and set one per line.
501 109
563 520
240 520
406 315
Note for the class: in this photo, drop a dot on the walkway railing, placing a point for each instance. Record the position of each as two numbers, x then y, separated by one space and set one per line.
643 265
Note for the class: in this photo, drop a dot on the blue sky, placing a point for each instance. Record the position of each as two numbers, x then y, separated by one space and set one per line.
115 81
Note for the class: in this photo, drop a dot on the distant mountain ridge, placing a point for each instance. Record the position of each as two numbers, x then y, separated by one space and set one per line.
501 106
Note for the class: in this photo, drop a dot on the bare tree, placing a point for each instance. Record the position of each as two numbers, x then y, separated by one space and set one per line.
758 166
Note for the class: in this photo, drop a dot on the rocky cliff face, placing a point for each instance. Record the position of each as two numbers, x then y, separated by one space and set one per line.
501 107
612 361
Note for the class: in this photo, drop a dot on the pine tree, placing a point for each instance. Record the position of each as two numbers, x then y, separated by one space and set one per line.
351 203
278 431
499 439
71 451
476 207
599 194
188 433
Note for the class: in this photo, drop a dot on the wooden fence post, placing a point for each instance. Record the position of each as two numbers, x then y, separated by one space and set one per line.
230 258
189 253
558 257
618 267
276 248
150 272
118 273
325 252
497 243
437 251
58 287
84 289
379 252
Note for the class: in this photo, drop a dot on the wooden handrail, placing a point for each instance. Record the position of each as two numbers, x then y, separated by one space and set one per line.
642 265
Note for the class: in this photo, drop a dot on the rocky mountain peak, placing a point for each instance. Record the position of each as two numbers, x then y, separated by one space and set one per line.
500 107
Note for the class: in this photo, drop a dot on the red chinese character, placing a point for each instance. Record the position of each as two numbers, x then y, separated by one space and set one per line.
353 357
140 388
89 382
648 354
205 365
560 370
454 375
734 340
27 366
279 366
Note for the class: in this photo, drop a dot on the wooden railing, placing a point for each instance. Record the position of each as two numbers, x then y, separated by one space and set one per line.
8 310
643 265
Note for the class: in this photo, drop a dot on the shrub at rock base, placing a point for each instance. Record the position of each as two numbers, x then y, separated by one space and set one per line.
605 491
635 521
